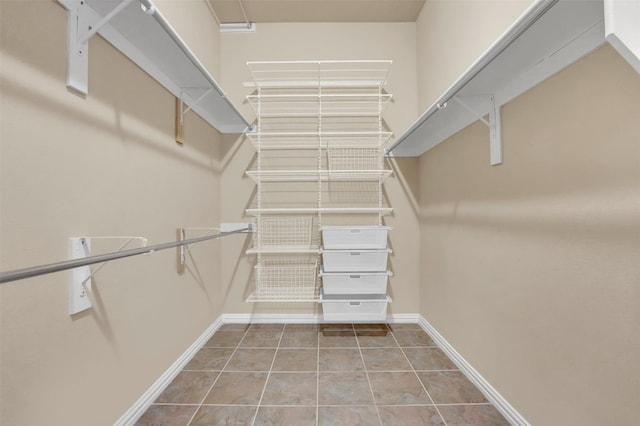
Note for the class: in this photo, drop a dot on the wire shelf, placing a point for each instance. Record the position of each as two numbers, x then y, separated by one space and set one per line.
315 140
291 279
291 232
288 74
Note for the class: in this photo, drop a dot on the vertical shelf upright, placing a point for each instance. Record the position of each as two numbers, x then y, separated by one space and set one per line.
320 144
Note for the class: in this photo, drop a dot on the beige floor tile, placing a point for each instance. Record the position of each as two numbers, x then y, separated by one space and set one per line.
450 387
429 359
266 327
237 389
346 359
251 360
344 389
296 360
299 339
301 327
404 326
261 339
407 415
167 415
209 359
284 416
476 415
225 339
189 387
224 416
346 339
234 327
387 359
413 338
398 389
377 341
291 389
348 416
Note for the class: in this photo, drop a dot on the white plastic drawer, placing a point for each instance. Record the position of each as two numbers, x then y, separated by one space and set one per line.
358 237
354 282
354 308
355 260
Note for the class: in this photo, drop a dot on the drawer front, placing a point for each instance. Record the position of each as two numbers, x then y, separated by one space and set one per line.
355 261
354 283
349 310
354 237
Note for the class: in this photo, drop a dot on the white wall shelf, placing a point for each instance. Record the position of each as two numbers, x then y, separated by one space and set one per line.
140 32
548 37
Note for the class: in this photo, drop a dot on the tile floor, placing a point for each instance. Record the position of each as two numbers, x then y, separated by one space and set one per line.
294 374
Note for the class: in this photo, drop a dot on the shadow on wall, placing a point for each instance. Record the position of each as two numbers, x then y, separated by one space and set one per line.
39 52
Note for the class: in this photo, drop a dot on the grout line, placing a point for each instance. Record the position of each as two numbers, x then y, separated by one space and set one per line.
219 374
420 381
266 383
366 372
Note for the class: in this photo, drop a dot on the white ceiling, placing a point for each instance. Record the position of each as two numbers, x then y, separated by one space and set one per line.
259 11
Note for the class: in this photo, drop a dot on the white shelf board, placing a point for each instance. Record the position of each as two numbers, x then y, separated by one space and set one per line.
548 37
322 210
622 29
149 41
315 175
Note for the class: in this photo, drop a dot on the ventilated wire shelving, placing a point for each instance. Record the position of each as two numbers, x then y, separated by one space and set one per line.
320 141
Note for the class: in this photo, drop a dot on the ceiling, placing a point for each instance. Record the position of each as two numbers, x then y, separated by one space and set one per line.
262 11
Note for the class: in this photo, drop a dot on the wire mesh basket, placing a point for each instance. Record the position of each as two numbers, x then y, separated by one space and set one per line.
354 159
287 279
293 232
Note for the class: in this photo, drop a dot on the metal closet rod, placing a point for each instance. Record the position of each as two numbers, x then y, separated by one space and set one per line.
34 271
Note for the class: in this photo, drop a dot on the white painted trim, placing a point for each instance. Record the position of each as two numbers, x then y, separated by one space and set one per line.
145 401
481 383
301 318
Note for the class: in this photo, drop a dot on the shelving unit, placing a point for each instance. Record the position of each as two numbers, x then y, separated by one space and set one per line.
320 142
548 37
140 32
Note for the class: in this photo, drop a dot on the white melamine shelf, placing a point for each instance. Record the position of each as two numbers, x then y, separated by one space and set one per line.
148 39
322 210
548 37
315 175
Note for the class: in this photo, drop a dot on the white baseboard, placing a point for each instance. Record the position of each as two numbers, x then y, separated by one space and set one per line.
145 401
301 318
481 383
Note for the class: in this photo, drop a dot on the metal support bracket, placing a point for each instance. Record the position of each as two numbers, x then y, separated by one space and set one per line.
494 124
182 235
82 24
81 276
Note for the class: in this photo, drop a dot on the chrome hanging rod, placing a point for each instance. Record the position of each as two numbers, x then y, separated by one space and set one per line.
34 271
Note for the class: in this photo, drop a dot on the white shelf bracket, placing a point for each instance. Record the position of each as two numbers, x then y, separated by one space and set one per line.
81 26
184 110
494 124
81 276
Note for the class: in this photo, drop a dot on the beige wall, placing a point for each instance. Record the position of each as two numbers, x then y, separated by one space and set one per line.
274 42
452 34
530 269
104 165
